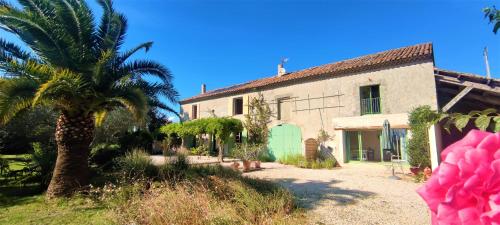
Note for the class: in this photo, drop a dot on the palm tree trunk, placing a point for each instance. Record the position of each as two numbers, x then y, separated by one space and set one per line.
73 137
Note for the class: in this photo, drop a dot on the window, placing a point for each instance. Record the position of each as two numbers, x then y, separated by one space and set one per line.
284 108
238 138
237 106
370 99
194 112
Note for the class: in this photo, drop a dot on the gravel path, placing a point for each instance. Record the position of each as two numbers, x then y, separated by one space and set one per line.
355 194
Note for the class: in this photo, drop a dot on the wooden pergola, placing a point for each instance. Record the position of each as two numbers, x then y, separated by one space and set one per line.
462 92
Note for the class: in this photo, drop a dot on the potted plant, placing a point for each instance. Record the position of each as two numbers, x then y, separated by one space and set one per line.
254 151
241 151
235 165
257 164
415 170
427 172
246 165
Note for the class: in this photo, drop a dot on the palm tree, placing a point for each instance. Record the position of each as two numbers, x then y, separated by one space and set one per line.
493 15
77 68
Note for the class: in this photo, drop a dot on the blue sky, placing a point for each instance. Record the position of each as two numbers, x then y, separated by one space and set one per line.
227 42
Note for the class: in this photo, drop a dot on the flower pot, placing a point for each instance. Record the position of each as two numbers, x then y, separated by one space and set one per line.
415 170
246 165
235 165
257 164
427 172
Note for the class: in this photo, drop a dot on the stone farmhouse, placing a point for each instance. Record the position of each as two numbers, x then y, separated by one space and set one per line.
350 100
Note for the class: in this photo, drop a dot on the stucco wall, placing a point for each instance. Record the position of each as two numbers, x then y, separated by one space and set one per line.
401 89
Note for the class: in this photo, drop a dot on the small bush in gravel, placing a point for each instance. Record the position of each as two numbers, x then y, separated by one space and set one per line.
136 165
300 161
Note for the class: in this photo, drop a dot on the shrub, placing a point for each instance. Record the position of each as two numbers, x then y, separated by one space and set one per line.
137 140
418 145
136 165
296 160
329 163
175 170
103 154
264 156
200 150
117 123
300 161
247 151
43 160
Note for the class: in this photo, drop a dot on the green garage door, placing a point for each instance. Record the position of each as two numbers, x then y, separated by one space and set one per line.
284 140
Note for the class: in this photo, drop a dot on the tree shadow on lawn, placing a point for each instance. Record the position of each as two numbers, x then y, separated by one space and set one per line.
18 195
310 193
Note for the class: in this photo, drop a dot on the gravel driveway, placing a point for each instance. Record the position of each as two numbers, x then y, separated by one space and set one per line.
355 194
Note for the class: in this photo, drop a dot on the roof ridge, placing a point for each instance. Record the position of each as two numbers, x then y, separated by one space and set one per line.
381 58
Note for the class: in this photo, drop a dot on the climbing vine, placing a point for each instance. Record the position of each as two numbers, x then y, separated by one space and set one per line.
221 128
421 118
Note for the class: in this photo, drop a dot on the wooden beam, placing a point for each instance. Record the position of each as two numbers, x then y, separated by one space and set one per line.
484 98
457 98
455 81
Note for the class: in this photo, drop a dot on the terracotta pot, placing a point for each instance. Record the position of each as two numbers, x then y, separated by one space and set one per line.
427 172
415 170
235 165
246 165
257 164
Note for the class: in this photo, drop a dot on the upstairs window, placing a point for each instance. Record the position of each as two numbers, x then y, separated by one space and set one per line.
237 106
284 109
194 112
370 99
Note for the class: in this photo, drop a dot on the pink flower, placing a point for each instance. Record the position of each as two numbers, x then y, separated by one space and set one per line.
465 188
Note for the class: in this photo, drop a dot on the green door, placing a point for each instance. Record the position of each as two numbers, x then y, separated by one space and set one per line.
284 140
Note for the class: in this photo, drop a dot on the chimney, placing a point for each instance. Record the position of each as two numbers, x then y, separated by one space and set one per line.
203 88
281 70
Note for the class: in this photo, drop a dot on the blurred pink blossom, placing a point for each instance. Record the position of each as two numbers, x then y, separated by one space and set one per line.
465 188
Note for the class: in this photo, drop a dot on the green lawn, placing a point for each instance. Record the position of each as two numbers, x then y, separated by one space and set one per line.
26 205
16 162
34 209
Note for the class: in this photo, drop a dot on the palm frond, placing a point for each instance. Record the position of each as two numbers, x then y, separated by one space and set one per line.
133 99
100 116
165 90
140 68
78 21
29 69
101 72
43 9
75 65
159 105
10 51
123 57
39 35
65 86
112 28
105 25
15 95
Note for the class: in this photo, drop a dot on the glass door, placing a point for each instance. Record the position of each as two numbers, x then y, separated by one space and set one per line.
352 146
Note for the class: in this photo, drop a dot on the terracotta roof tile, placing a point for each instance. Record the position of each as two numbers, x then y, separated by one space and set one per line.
372 61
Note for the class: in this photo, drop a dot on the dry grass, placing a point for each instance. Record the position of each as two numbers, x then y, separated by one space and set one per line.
211 200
